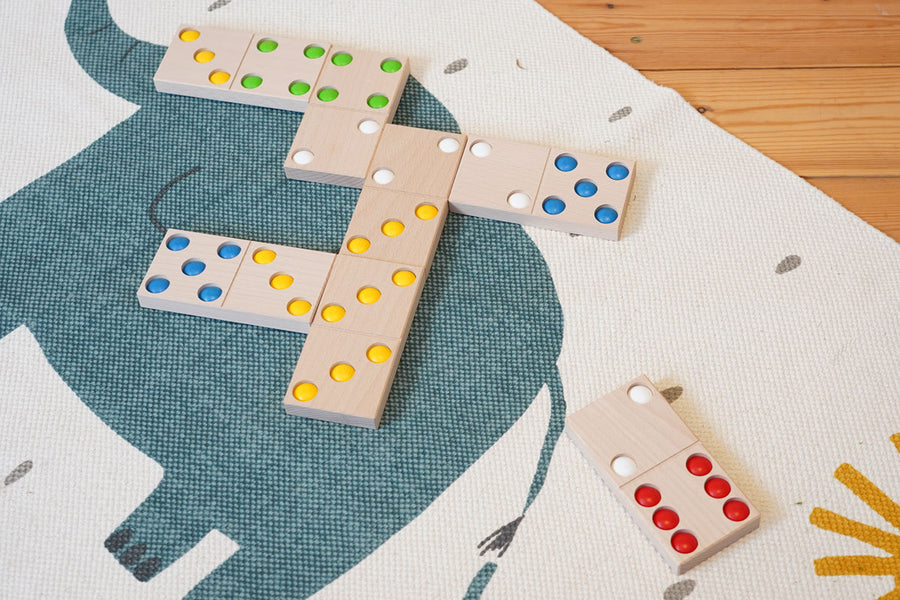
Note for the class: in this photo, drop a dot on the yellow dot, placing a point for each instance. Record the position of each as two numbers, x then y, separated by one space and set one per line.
298 307
403 278
378 353
342 372
189 35
358 245
305 391
219 77
426 212
263 257
333 313
281 281
368 295
204 56
392 228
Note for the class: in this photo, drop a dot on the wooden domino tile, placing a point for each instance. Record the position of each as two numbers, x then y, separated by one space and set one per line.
689 508
583 193
202 62
277 287
417 161
343 377
362 80
192 273
370 296
334 146
676 493
278 72
498 179
395 227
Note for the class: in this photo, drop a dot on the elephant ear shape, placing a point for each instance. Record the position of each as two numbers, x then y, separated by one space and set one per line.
120 63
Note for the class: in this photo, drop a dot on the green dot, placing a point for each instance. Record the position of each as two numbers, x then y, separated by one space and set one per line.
266 45
391 66
251 81
327 94
298 88
313 51
342 59
377 101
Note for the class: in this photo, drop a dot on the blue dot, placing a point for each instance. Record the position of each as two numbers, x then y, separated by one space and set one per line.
227 251
194 267
158 285
179 242
617 172
553 206
585 188
210 293
606 214
565 162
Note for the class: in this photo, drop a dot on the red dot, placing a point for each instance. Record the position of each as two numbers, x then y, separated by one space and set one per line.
665 518
684 542
736 510
647 495
699 465
717 487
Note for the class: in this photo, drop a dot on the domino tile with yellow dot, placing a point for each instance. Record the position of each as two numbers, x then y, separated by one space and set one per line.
202 62
368 296
395 227
278 287
343 377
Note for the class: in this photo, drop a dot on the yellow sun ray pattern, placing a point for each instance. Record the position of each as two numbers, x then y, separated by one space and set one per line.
878 501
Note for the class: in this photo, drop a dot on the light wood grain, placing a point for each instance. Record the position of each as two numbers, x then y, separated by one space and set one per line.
837 127
698 34
876 200
816 122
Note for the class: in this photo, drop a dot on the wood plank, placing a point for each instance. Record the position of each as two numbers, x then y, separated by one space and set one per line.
698 34
875 200
816 122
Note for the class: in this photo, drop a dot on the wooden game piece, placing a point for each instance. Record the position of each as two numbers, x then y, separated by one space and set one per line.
498 179
583 193
277 286
697 515
278 72
192 273
418 161
370 296
202 62
361 80
395 227
334 146
676 493
343 377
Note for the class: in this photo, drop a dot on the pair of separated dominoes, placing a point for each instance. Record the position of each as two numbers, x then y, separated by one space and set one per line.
278 72
681 499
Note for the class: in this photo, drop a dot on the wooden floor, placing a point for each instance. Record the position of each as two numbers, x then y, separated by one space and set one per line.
814 84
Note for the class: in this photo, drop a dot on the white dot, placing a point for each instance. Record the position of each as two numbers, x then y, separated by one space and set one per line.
640 394
481 149
519 200
624 466
383 176
449 145
303 157
369 126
